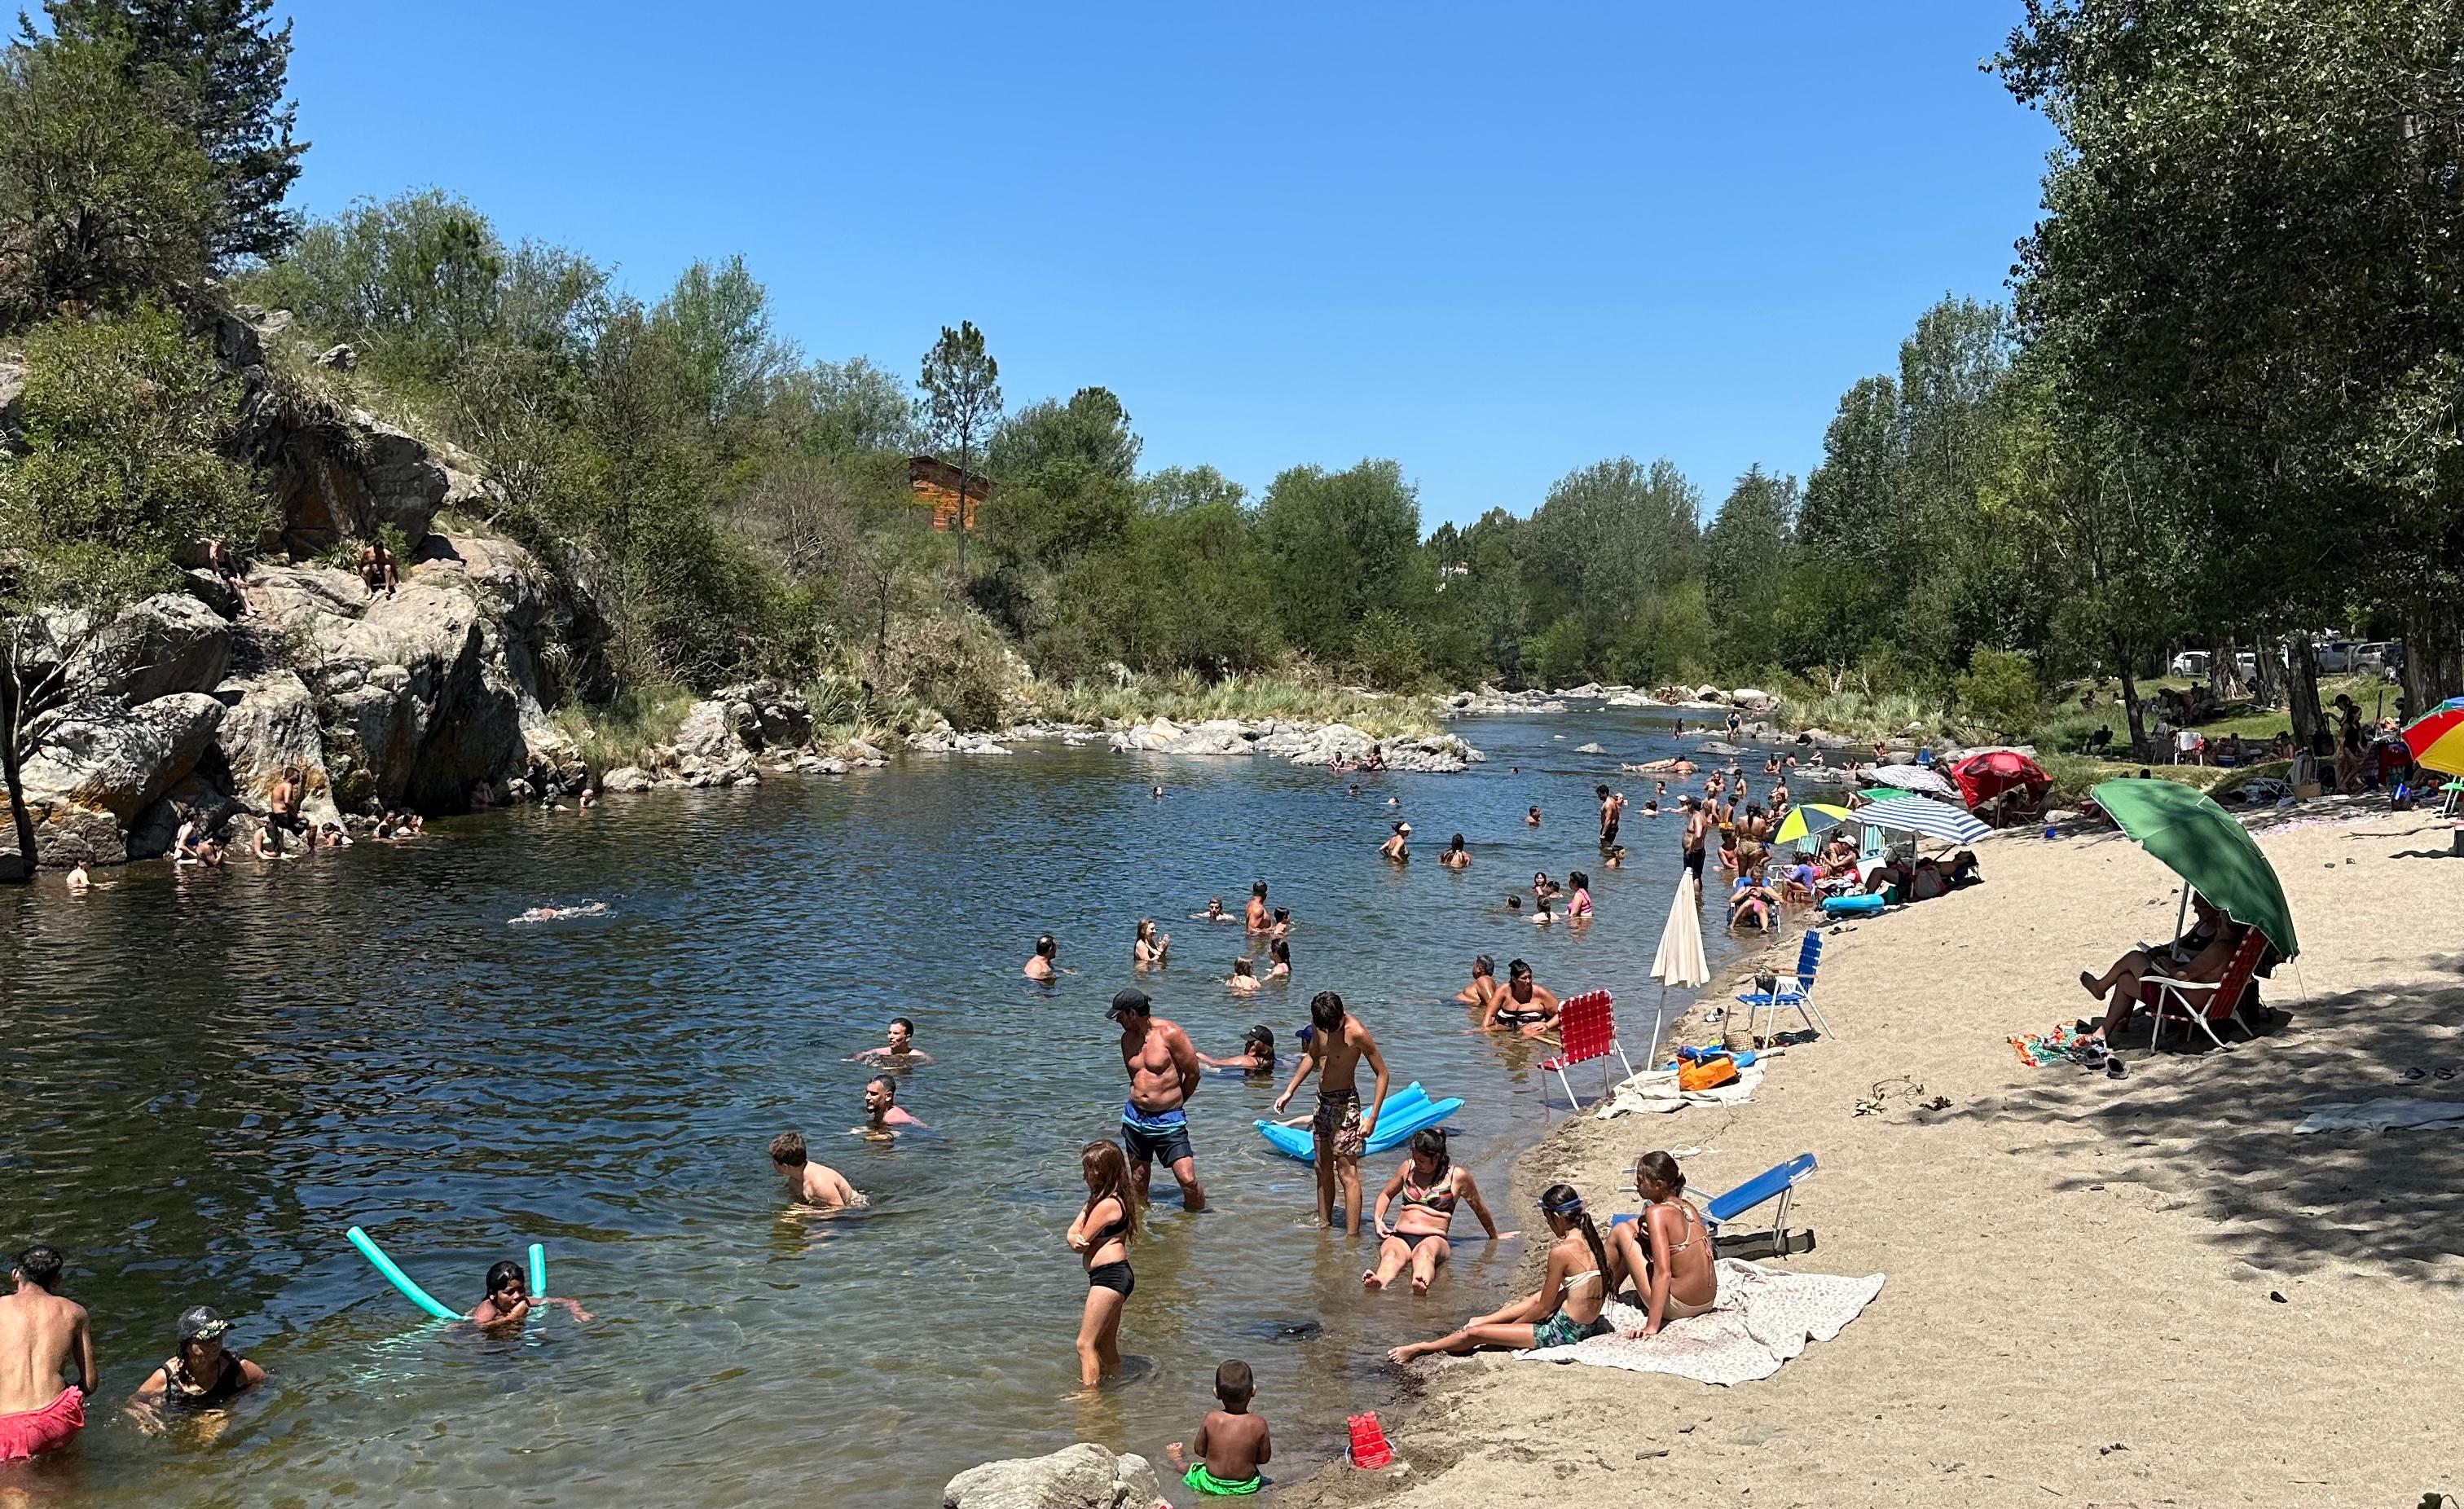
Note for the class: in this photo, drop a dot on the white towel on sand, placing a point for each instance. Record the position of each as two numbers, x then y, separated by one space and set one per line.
1763 1318
2381 1115
1656 1091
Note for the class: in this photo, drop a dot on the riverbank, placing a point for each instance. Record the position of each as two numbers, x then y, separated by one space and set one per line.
2099 1291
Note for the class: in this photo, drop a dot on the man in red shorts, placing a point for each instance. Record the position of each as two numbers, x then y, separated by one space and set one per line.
40 1336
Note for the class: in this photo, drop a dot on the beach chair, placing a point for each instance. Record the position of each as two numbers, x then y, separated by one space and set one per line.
2198 1002
1791 993
1587 1030
1776 1183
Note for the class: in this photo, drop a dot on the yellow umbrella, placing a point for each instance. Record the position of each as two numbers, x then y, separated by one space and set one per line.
1679 961
1810 822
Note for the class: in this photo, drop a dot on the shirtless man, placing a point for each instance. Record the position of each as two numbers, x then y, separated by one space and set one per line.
899 1051
282 808
882 1113
816 1185
1612 810
1698 828
1038 964
1163 1075
1257 908
1340 1129
377 569
41 1336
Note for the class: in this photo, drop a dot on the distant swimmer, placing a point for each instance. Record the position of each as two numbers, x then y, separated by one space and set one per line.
1244 978
78 879
1679 766
1038 964
882 1113
899 1051
1163 1075
1282 926
1280 952
509 1303
1156 795
1148 950
1425 1192
1522 1005
1256 916
588 909
816 1185
1484 983
1214 912
42 1337
1532 818
1456 856
1340 1130
1396 850
1257 1054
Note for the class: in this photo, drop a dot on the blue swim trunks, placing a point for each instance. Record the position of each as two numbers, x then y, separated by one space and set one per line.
1148 1136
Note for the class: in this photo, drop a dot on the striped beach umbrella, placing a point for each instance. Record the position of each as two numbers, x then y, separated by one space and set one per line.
1933 819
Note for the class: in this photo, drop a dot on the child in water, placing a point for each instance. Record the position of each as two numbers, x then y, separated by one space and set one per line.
1257 1053
1232 1443
509 1304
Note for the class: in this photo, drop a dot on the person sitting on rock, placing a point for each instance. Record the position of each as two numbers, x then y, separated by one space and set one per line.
377 569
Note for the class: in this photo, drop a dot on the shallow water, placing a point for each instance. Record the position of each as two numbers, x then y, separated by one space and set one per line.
208 1079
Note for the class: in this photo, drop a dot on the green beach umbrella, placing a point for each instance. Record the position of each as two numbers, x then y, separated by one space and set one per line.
1881 794
1808 821
2200 842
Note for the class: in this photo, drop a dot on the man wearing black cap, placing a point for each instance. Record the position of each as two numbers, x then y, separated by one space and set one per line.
1163 1075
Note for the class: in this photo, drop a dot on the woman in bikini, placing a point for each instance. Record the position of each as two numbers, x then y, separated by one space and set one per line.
1483 984
1280 951
1148 951
1456 856
1522 1005
1666 1254
1428 1186
1566 1308
1100 1236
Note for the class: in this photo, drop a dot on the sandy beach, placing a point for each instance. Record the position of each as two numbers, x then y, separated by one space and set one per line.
2100 1292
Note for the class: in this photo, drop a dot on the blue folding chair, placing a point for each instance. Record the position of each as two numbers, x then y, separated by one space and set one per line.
1776 1183
1791 993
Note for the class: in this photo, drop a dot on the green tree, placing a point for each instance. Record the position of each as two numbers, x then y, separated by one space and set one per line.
221 69
718 320
1613 535
963 402
1746 553
1340 543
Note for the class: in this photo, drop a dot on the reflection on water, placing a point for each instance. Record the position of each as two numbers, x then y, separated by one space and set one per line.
211 1077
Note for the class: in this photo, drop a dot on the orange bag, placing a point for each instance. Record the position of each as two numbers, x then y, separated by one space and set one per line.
1707 1074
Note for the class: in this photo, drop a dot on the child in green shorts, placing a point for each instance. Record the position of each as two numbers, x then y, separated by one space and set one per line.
1232 1443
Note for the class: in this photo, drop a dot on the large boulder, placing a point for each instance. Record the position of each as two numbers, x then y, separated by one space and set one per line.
269 725
98 769
161 645
1081 1476
347 473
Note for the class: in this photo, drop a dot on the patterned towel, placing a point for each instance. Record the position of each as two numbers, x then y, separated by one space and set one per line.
1764 1317
1656 1091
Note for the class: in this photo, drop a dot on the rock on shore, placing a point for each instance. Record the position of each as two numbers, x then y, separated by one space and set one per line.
1080 1476
1439 753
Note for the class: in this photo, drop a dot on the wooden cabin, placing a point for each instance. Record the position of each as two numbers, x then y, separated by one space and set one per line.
934 483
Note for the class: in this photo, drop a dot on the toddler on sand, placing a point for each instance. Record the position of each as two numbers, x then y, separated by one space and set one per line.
1232 1443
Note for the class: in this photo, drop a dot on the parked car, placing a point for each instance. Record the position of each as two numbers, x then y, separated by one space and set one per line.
2383 654
2335 655
2192 663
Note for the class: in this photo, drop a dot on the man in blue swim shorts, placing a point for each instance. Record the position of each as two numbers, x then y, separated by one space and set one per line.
1163 1075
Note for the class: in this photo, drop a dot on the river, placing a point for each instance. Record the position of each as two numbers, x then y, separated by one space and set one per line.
211 1077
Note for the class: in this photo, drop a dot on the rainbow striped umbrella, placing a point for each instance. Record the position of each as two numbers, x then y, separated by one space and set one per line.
2436 739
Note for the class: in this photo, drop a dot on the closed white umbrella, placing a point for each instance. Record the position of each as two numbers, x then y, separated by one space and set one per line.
1679 961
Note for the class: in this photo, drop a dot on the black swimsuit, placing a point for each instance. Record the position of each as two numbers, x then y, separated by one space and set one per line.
1114 1275
179 1393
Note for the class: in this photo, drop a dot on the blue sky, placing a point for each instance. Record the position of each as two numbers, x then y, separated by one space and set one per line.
1495 243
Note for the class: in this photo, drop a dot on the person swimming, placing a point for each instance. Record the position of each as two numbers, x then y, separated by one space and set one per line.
1484 983
590 908
816 1185
509 1303
1456 856
1244 978
1532 818
883 1115
1579 906
1038 964
1257 1054
1214 912
899 1051
1280 951
1148 950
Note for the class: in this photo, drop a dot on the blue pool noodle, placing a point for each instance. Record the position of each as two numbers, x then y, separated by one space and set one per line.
539 1270
400 1279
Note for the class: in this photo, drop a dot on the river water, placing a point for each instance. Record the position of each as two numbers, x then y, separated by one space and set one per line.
209 1078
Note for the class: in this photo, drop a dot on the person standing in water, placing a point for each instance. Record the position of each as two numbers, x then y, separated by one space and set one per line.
1257 908
816 1185
882 1112
1395 850
1038 964
1612 812
42 1336
1100 1236
1163 1075
202 1374
1697 828
1340 1130
899 1051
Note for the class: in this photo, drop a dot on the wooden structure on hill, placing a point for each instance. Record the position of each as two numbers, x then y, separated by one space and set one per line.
934 483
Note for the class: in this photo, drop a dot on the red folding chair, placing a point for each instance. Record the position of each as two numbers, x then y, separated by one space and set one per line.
1586 1030
2196 1001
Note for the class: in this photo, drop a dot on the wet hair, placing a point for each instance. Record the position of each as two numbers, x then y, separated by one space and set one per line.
1233 1384
1280 951
1258 890
1326 1012
1485 965
1046 947
1578 879
1283 914
1240 967
1517 970
1514 902
500 1275
1601 792
1661 1168
40 1266
788 1148
1430 1141
1107 1171
1456 844
1146 925
1563 1201
901 1022
1260 1036
886 1081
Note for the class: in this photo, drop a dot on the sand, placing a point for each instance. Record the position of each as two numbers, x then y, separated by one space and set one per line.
2135 1292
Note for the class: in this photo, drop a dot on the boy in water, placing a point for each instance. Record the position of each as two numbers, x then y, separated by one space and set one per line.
817 1185
1232 1443
1038 964
1340 1130
42 1337
508 1303
899 1051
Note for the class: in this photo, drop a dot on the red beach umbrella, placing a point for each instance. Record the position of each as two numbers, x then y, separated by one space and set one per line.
1985 778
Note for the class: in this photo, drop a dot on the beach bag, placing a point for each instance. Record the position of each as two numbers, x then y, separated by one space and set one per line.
1706 1073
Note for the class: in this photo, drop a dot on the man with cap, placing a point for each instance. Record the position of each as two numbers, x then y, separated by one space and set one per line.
202 1374
1163 1075
42 1336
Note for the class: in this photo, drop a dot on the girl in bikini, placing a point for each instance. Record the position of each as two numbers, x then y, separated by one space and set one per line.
1455 856
1147 952
1669 1262
1100 1236
1566 1308
1429 1186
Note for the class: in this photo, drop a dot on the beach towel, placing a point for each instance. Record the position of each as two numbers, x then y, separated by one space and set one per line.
2381 1115
2061 1045
1656 1091
1764 1317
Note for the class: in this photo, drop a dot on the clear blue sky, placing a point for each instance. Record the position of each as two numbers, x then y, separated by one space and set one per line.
1495 243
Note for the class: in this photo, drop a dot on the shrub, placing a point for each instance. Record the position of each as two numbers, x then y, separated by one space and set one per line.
1387 650
1999 691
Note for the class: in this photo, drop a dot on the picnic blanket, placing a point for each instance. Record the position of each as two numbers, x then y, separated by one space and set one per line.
1763 1318
1656 1091
2385 1114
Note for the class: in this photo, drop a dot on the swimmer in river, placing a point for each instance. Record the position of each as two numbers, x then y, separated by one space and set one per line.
1484 983
1532 818
1038 964
816 1185
1256 912
1243 980
1456 856
899 1051
1163 1075
1396 849
1282 926
1214 912
591 908
1257 1053
1515 904
1147 952
882 1113
202 1375
1100 1236
1428 1187
1522 1005
1340 1129
42 1337
78 880
509 1303
1280 951
1156 795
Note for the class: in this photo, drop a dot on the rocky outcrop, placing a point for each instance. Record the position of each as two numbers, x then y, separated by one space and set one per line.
1491 702
161 645
345 473
100 768
1438 753
271 727
1081 1476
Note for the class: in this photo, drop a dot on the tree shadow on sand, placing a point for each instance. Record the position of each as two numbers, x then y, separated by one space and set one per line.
2212 1128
